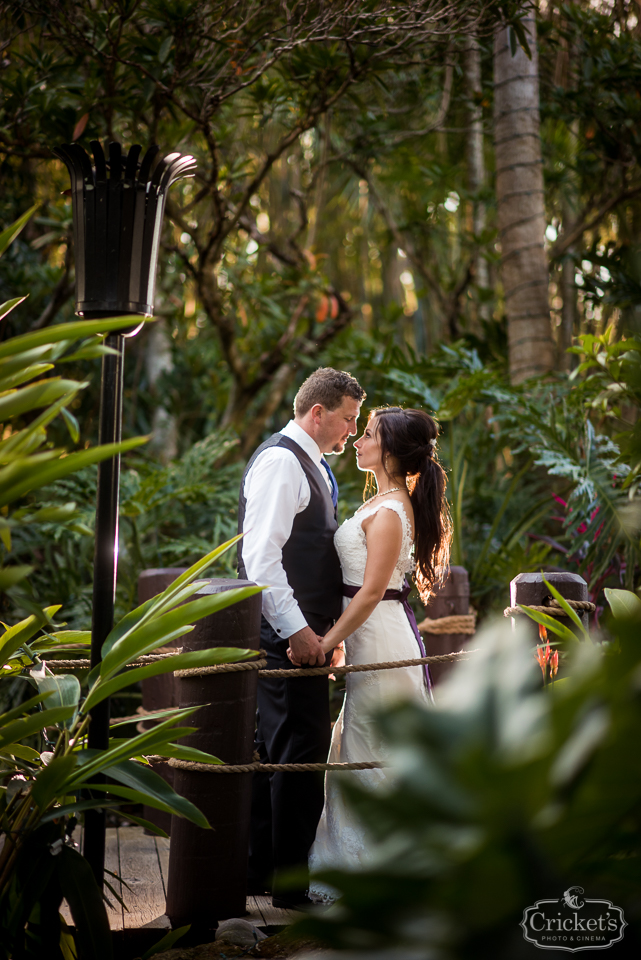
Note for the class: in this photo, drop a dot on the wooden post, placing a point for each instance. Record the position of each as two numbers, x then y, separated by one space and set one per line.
529 589
208 868
452 598
159 692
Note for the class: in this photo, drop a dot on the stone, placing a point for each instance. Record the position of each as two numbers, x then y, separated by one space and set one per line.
240 933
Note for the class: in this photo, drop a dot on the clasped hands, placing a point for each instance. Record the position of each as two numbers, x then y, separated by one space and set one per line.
306 648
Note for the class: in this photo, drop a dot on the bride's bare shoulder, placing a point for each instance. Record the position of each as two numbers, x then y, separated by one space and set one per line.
390 502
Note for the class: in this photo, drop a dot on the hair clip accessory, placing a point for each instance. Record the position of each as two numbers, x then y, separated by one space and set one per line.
432 442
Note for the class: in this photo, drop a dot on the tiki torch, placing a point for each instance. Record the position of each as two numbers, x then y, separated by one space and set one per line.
118 206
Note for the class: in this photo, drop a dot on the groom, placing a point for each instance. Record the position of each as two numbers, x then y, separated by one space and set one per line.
287 512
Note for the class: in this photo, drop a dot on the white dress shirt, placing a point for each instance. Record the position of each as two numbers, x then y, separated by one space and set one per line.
276 490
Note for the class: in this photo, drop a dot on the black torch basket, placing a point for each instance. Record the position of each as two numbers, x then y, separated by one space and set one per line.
117 220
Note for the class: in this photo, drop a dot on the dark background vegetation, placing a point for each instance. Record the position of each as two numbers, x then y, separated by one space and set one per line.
332 222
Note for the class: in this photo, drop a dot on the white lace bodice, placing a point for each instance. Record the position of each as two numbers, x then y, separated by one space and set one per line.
351 545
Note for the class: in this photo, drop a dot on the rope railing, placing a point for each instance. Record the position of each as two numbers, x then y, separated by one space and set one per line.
257 767
553 608
261 666
456 623
462 624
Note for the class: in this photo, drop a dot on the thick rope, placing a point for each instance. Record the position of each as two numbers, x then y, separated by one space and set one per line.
258 767
457 623
272 674
363 667
86 663
554 609
221 668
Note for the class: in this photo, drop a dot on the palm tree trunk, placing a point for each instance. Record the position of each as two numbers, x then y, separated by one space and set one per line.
520 202
164 438
476 163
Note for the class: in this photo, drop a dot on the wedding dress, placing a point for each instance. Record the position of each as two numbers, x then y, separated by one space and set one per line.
385 635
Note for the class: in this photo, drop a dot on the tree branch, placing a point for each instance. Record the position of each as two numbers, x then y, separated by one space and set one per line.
439 119
61 293
586 223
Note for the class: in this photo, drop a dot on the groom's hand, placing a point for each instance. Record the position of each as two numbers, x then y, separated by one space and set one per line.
306 649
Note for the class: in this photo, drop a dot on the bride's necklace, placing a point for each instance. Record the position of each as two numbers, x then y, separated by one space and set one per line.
383 493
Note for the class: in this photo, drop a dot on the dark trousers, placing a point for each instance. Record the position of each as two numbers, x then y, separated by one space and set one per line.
293 726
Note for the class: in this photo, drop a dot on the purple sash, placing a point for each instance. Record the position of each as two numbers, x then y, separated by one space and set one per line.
401 596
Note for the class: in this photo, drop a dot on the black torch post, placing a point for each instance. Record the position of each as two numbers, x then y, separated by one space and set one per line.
117 221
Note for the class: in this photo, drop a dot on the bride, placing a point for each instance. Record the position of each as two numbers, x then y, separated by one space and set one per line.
405 527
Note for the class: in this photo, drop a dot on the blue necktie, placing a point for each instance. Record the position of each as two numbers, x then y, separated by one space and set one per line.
332 479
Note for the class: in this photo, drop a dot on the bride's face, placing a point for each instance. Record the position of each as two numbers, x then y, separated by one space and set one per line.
368 449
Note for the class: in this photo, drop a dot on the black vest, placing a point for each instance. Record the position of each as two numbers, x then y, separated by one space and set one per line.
310 560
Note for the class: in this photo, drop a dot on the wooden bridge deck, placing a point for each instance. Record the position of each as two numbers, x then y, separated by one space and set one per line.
142 862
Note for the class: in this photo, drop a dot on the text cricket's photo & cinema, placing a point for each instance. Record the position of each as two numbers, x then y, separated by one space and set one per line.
573 923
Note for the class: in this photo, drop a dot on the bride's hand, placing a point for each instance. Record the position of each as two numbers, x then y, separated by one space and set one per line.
338 656
292 658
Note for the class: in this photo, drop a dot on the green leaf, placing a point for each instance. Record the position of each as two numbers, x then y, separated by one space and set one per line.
22 752
27 358
72 424
23 709
72 636
175 593
68 331
64 688
39 394
196 658
71 809
9 576
89 352
497 519
150 785
49 472
148 610
20 729
167 941
155 715
550 622
624 604
181 752
151 742
14 637
129 795
165 47
572 614
50 514
91 761
145 638
5 534
148 825
9 235
21 376
80 890
53 780
8 305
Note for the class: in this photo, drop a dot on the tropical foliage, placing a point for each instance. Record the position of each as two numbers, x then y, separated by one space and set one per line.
505 793
45 792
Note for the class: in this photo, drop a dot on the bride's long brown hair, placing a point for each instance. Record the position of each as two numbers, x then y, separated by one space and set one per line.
407 436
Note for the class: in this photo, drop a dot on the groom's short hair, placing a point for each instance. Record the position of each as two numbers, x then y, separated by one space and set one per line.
329 387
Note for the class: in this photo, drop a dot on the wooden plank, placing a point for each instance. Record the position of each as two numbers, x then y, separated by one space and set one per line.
140 870
162 849
64 906
273 916
254 914
112 862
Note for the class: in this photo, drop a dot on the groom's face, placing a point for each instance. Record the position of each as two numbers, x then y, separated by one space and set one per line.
337 426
